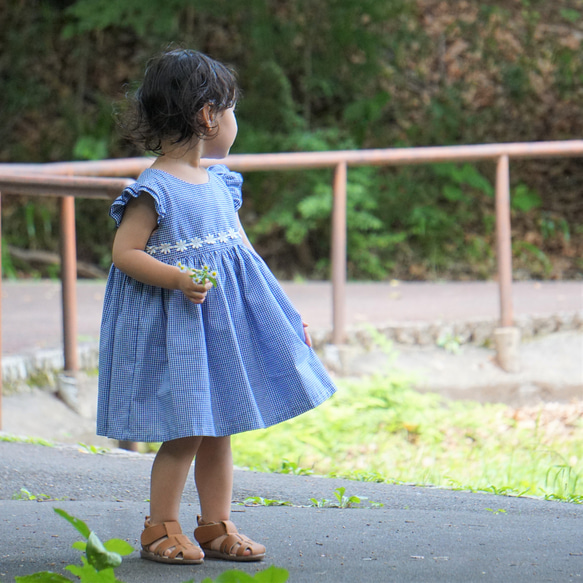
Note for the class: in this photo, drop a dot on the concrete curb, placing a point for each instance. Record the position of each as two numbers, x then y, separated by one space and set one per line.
479 331
42 367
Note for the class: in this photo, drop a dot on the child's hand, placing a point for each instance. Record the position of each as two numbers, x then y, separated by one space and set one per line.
307 337
195 292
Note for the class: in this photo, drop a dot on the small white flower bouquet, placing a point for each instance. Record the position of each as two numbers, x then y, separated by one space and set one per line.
200 275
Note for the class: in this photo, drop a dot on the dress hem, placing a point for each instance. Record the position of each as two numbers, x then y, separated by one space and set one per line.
160 439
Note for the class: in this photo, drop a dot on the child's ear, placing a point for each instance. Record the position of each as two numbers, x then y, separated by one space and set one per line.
207 116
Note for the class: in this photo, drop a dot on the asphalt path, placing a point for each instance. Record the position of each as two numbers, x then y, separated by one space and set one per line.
418 535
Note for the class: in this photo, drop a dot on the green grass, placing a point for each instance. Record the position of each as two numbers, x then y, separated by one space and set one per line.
8 437
378 429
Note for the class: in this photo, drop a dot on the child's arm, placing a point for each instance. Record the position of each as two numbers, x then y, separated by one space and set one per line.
138 223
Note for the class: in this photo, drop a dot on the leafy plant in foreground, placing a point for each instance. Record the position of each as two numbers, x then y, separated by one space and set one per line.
272 574
101 559
98 563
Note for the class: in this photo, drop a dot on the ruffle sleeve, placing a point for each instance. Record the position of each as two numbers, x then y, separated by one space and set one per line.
233 180
133 191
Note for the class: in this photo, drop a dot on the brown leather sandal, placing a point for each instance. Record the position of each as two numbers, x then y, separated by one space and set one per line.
184 551
221 540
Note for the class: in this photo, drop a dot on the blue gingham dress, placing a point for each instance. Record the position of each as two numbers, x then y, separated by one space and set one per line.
169 368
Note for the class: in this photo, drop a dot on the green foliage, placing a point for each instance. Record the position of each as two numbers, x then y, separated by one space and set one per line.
7 437
78 524
345 501
378 429
102 558
141 16
524 199
99 561
450 343
25 494
8 269
32 223
93 449
90 148
570 14
42 577
323 503
332 74
342 501
270 575
259 501
529 254
294 468
498 511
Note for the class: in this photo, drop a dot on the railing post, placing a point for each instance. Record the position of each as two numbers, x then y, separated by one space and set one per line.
507 337
69 282
0 311
504 240
339 254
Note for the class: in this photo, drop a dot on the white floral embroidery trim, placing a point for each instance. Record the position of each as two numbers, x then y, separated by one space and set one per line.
193 243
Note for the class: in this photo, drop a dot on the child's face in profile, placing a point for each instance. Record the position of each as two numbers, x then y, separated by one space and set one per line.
219 145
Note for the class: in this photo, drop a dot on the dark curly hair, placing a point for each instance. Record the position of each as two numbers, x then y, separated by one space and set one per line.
166 106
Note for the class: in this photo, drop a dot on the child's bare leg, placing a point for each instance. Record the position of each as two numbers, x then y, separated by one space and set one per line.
214 481
169 472
214 478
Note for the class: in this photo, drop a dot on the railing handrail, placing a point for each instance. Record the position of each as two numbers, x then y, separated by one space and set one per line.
85 179
58 185
305 160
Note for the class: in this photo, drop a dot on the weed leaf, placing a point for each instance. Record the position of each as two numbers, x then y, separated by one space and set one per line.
78 524
88 574
272 575
234 577
121 547
99 556
42 577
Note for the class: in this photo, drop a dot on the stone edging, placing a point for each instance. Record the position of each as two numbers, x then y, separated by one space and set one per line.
479 332
43 366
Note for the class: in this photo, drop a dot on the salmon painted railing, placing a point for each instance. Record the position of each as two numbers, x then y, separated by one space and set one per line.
106 178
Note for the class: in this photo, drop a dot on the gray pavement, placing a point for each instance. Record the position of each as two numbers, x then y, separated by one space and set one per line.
419 535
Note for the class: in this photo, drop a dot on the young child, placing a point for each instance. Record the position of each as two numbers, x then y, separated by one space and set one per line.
189 364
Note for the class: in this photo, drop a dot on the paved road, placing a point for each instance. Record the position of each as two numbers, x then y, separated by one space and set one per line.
31 311
419 535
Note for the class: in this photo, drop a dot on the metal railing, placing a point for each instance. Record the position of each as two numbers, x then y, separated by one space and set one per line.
85 179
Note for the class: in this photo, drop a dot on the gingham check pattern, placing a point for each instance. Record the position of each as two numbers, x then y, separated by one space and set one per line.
169 368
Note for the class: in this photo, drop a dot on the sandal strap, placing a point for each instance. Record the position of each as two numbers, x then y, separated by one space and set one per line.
233 543
179 542
173 539
153 533
236 544
209 532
